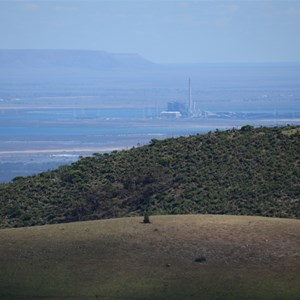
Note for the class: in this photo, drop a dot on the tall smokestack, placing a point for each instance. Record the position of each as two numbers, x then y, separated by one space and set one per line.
190 98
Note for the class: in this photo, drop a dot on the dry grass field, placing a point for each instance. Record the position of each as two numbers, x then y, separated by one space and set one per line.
173 257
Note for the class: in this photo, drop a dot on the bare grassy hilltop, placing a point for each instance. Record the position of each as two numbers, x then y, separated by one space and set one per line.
173 257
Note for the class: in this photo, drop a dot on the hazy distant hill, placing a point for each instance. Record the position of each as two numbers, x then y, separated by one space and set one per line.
241 172
55 59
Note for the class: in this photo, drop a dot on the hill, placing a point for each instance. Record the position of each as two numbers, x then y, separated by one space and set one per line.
251 171
68 59
174 257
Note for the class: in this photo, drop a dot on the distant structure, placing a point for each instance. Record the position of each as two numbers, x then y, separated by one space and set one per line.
177 106
171 114
176 109
190 99
192 111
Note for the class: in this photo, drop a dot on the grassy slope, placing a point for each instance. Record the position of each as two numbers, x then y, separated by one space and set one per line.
241 172
246 258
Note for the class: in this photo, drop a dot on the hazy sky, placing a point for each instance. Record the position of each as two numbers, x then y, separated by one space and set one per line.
162 31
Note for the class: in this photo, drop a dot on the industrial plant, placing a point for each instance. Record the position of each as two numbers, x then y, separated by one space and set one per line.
178 109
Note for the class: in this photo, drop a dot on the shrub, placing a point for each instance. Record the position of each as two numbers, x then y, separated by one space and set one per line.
200 259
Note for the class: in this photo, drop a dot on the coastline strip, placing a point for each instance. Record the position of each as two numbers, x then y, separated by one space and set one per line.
72 150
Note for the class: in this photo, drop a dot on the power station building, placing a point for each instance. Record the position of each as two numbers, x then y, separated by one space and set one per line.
178 109
171 114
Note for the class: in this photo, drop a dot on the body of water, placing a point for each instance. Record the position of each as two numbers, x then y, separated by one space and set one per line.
46 125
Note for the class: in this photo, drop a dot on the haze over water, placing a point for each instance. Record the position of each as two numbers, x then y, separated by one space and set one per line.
49 129
242 57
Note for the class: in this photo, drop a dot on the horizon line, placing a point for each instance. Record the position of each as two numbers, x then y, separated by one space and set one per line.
155 62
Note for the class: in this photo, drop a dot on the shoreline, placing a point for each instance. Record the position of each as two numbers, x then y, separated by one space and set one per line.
62 151
75 106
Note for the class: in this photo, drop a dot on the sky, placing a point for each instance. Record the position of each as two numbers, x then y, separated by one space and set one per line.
169 31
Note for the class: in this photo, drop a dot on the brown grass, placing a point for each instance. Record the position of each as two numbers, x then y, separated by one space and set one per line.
246 258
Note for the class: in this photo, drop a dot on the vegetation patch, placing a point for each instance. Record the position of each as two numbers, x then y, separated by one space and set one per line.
251 171
292 131
146 219
200 259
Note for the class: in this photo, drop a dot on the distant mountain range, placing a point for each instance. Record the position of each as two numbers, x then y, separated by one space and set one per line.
82 59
